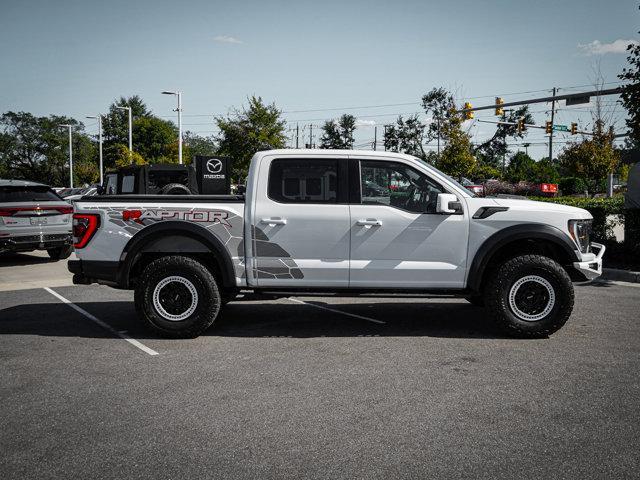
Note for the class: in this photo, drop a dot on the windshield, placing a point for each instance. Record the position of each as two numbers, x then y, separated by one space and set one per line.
451 179
27 194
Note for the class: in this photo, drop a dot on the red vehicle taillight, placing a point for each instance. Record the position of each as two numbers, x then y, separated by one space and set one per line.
84 227
11 211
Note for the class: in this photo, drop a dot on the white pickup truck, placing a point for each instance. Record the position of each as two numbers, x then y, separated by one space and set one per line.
336 222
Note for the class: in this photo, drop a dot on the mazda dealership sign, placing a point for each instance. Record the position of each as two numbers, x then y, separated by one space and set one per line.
213 175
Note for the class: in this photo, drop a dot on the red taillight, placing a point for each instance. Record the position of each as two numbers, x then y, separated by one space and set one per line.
84 227
11 211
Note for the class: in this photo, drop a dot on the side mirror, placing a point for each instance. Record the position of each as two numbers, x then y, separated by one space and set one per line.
448 203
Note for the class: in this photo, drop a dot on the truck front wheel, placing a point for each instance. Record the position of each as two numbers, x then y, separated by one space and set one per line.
529 296
177 297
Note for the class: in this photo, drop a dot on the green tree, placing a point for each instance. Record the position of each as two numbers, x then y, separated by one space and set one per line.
36 148
631 93
154 139
546 171
439 105
193 145
339 134
521 168
592 159
115 127
247 131
125 157
456 158
492 150
406 136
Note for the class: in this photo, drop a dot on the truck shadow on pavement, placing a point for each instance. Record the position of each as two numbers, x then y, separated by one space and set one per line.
20 259
263 320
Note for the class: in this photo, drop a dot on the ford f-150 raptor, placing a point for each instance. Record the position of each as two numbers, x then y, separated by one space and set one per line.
336 221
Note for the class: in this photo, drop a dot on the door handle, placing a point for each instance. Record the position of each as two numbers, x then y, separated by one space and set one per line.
369 223
274 221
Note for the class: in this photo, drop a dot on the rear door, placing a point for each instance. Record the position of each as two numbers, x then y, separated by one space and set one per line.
397 238
301 222
25 210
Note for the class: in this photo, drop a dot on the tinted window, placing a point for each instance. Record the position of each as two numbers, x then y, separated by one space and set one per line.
110 185
398 185
304 181
128 183
27 194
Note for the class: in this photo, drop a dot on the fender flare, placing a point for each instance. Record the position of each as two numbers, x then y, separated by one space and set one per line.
157 236
528 231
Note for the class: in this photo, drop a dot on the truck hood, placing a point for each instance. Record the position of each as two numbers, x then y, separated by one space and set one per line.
525 205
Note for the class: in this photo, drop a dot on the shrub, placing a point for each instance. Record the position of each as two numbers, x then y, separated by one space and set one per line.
600 209
496 187
572 185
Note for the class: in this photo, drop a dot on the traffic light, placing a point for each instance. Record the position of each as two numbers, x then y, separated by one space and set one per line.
468 115
574 128
499 109
521 126
549 127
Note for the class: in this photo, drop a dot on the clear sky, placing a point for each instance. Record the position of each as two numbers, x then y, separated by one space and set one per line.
75 57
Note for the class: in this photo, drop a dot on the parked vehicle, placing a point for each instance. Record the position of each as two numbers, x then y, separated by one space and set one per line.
161 179
83 192
34 217
476 188
340 221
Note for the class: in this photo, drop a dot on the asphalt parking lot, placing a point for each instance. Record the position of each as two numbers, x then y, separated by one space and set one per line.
313 387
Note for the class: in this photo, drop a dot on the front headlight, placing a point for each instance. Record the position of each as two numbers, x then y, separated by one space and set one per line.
580 231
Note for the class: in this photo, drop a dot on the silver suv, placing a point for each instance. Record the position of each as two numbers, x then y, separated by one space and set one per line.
34 217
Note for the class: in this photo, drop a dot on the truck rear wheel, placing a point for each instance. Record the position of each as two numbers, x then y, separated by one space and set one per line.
177 297
529 296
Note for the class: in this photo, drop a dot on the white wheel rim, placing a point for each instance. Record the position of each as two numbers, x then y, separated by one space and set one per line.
157 304
524 315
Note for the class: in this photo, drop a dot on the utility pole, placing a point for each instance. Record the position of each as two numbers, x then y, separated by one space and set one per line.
553 112
297 134
385 138
311 135
128 109
99 118
70 153
375 137
179 110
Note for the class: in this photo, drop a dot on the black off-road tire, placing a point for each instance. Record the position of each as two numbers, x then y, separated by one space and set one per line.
503 279
60 253
475 300
175 189
192 275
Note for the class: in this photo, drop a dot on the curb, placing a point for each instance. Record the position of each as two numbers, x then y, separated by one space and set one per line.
620 275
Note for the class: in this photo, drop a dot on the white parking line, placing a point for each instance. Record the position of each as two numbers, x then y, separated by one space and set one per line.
122 335
337 311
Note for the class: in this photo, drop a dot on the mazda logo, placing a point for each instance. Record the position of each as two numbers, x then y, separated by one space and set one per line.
214 165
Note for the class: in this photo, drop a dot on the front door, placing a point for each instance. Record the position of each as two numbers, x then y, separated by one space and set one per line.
397 238
301 223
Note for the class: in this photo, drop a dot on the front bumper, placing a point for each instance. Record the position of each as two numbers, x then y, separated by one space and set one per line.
28 243
591 264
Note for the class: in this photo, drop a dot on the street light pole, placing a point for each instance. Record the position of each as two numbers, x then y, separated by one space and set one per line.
128 109
70 154
179 110
99 118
